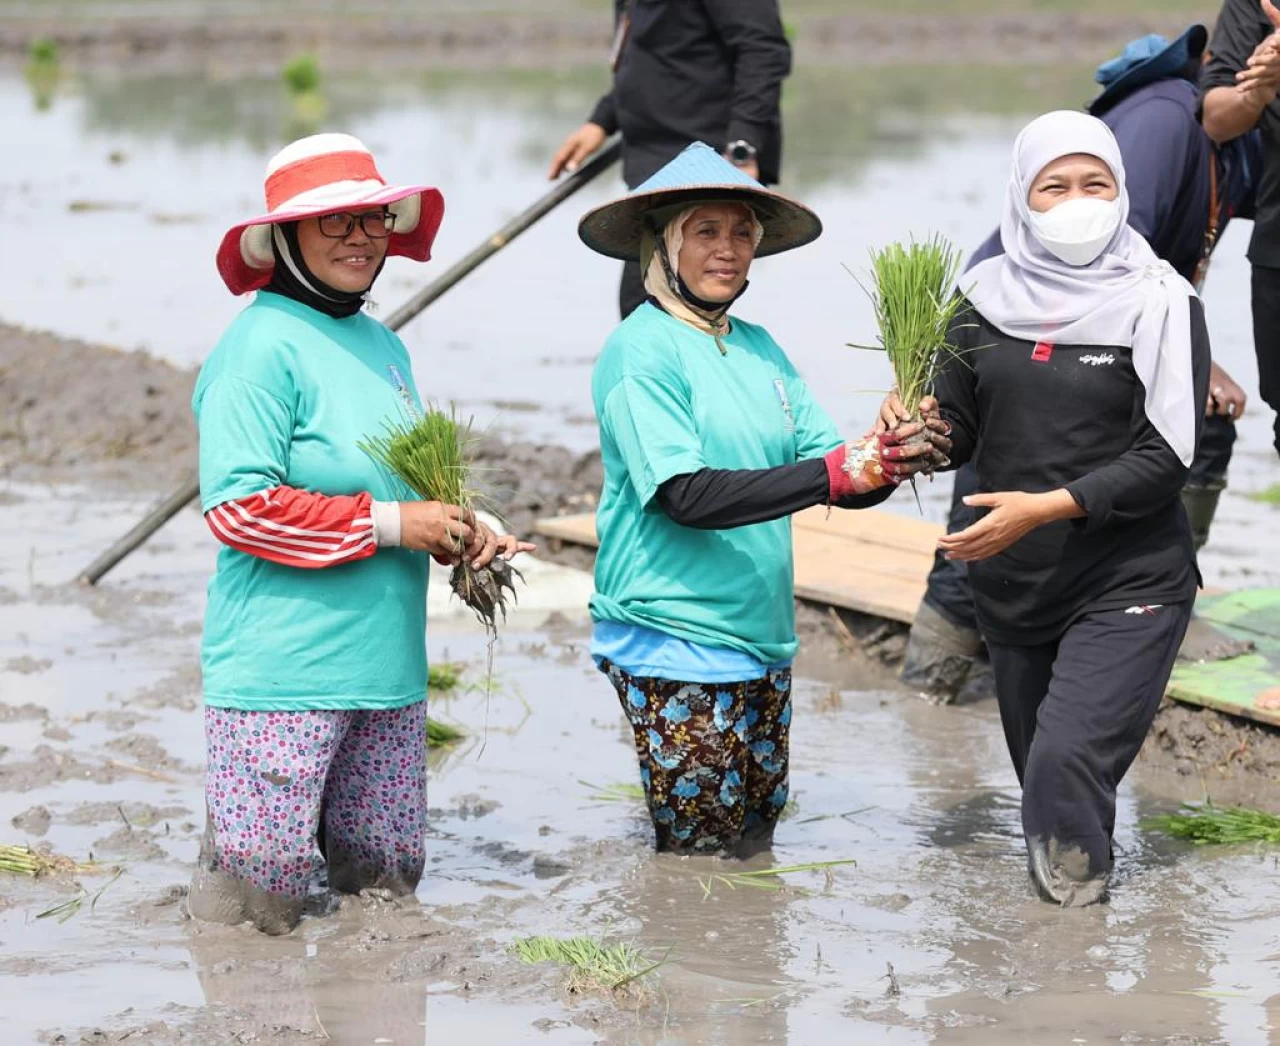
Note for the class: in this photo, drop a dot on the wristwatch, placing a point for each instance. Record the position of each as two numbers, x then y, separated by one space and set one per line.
741 153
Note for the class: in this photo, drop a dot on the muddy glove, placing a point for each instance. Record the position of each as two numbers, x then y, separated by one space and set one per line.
881 459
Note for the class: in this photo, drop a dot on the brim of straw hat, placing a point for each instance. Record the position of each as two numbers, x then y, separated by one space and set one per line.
616 229
246 260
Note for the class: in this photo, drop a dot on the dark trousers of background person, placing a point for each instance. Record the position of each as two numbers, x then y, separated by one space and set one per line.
1075 713
948 591
1266 339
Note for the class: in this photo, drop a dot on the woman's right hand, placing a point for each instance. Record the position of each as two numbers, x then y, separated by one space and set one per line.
434 527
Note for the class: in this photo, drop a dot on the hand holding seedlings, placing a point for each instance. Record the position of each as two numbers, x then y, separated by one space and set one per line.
437 528
431 455
913 444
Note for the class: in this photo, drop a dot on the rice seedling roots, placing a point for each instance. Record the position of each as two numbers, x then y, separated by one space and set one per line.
485 590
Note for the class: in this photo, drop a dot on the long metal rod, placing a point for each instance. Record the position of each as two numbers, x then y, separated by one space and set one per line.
190 489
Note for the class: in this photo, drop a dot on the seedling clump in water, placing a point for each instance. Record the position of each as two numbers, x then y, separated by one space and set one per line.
431 455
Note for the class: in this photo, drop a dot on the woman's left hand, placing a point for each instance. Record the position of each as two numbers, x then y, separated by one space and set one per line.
1013 514
485 544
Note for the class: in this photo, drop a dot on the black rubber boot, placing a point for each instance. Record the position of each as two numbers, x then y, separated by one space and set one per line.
941 656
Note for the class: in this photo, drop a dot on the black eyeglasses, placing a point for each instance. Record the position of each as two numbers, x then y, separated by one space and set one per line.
377 225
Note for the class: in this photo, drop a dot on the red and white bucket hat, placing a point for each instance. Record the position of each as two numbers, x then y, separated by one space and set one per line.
318 175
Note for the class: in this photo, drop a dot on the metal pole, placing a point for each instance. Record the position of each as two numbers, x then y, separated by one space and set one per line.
190 489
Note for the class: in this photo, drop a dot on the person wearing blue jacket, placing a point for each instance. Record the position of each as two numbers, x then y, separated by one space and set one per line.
1183 190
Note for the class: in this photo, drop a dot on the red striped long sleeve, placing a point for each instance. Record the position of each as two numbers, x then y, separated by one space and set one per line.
297 528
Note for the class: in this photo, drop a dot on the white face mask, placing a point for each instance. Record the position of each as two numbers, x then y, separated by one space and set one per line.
1077 231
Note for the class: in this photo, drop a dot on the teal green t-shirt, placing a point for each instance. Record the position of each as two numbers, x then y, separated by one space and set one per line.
669 403
284 398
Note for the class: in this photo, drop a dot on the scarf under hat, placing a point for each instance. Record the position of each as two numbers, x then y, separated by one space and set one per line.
660 260
292 278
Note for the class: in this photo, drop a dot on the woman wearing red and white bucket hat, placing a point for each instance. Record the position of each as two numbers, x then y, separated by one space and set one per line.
314 655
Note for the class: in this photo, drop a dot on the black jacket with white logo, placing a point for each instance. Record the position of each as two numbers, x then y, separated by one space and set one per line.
1042 417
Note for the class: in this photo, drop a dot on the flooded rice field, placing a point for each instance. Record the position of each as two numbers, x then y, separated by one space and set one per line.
933 936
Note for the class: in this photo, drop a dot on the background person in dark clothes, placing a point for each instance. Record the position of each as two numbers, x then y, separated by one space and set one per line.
1240 81
1080 396
688 71
1150 101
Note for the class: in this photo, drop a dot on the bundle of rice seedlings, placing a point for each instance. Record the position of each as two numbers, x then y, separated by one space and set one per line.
439 734
617 792
1205 824
26 860
916 300
431 455
593 965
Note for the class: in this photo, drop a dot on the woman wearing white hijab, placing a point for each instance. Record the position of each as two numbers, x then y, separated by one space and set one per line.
1085 364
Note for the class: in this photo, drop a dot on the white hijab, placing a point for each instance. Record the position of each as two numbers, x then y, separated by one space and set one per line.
1125 297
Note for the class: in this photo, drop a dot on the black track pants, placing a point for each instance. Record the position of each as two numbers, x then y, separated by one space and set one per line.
1075 714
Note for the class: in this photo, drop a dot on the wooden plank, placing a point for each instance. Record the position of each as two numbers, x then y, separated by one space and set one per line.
577 530
876 564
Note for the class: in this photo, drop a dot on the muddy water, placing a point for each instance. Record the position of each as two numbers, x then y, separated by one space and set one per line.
103 755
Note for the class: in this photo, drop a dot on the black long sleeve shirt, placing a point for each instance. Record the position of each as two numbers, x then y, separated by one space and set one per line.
1039 418
1242 25
697 71
718 499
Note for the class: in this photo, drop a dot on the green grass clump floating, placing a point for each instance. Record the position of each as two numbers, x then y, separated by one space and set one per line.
1268 496
431 455
1205 824
441 735
444 675
301 75
593 965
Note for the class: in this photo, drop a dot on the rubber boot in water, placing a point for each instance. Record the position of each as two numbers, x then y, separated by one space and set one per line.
1203 642
1201 504
1062 874
940 656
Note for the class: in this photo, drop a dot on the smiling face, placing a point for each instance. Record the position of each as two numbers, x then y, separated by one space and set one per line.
1075 177
717 249
347 263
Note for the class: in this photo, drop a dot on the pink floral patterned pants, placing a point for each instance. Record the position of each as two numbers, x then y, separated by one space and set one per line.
272 776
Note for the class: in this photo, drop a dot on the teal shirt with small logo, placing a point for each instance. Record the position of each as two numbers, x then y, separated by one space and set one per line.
669 403
284 399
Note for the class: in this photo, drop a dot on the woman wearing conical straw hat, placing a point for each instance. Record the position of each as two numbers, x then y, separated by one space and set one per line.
1080 398
710 441
314 656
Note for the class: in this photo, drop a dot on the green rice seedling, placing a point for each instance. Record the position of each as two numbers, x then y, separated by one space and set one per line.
43 51
916 301
1268 496
766 878
35 862
444 675
301 75
64 911
593 965
618 792
431 455
1205 824
440 735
